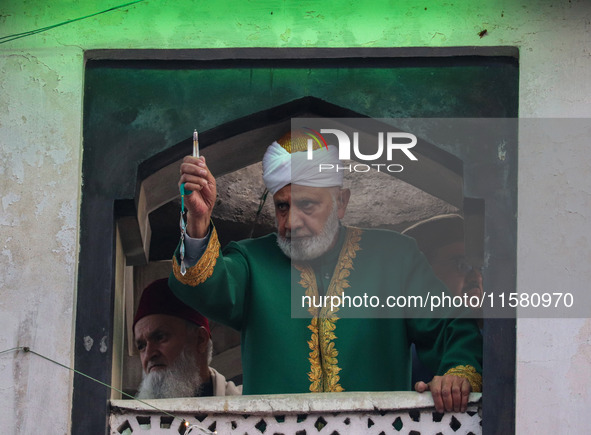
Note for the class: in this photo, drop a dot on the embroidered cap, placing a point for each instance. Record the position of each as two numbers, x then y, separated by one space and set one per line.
436 232
286 162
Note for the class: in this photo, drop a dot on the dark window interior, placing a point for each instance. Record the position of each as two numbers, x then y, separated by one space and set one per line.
140 108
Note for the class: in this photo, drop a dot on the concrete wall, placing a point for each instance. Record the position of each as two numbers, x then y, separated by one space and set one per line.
41 82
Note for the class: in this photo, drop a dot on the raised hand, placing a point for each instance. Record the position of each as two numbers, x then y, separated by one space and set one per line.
199 180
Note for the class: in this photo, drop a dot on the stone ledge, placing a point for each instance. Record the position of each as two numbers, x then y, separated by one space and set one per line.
288 403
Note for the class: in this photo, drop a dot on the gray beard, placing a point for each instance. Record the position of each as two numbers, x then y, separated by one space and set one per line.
309 248
181 379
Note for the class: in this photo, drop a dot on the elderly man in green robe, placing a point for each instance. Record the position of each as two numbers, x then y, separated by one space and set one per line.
251 286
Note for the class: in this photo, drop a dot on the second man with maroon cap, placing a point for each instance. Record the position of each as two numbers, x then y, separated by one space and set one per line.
175 348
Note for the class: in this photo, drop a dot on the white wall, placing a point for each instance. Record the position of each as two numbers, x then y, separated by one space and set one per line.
41 80
40 156
554 222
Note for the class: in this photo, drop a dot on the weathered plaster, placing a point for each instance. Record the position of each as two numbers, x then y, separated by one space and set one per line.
553 370
39 161
579 384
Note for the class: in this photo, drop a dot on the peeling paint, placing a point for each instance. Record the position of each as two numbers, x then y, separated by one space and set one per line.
21 366
103 347
285 35
59 156
7 253
13 218
9 199
46 200
502 151
9 269
88 342
66 236
580 384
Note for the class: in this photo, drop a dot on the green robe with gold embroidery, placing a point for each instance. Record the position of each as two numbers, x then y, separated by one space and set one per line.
252 285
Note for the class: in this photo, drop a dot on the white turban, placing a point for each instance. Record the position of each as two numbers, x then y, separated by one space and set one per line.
281 168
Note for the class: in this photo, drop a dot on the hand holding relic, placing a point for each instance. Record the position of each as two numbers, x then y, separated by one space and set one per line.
199 203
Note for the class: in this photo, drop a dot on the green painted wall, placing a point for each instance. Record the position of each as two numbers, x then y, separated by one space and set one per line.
268 23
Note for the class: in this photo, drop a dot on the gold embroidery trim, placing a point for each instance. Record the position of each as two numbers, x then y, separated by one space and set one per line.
323 357
315 374
204 268
470 373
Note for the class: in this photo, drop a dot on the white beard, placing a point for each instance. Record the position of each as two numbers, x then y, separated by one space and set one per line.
309 248
181 379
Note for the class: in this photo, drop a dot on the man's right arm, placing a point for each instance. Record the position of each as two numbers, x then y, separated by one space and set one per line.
201 183
213 284
216 284
194 249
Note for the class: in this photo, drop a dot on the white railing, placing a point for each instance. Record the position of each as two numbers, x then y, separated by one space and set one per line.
298 414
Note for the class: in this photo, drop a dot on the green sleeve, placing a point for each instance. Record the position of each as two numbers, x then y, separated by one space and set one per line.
446 340
216 285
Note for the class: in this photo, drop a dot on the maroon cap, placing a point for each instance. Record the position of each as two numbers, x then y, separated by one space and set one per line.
158 298
436 232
